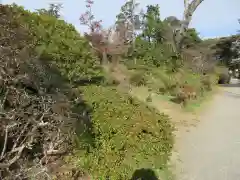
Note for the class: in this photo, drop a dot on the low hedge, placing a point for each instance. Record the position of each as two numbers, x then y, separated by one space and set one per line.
128 135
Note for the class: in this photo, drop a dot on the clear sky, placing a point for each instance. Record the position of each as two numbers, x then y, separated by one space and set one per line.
213 18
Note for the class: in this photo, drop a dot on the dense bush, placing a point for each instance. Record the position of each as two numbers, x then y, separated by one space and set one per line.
128 135
161 81
60 43
153 55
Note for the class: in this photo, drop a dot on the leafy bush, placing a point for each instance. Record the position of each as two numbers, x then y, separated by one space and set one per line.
153 55
60 43
128 135
169 82
164 82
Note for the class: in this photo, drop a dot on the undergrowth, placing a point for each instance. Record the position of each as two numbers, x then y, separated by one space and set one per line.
167 83
59 43
128 135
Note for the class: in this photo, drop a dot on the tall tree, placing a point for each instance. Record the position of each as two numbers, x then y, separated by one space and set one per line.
105 42
189 9
153 26
191 38
226 49
129 18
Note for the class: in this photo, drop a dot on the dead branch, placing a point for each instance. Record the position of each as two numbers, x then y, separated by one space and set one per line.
6 139
13 160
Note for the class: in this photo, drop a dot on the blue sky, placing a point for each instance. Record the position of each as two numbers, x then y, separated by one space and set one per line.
213 18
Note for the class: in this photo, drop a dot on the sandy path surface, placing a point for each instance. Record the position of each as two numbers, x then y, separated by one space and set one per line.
211 151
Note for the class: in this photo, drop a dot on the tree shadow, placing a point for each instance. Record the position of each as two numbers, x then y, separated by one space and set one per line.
144 174
85 82
176 100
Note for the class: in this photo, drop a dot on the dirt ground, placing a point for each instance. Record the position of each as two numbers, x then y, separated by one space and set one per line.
211 150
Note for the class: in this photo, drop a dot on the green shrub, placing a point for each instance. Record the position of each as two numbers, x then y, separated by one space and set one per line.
128 135
165 82
60 43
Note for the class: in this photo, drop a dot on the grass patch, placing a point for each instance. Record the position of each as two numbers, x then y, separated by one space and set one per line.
128 136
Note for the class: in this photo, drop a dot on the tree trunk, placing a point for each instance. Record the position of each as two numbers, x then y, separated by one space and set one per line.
189 9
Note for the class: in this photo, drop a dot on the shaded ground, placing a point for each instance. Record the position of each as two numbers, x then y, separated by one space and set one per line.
211 151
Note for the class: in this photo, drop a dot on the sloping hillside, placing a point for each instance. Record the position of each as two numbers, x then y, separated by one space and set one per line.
93 127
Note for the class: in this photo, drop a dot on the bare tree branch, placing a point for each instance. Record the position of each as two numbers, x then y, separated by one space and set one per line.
14 159
6 139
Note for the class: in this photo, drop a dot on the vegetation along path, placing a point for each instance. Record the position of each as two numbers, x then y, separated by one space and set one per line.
211 150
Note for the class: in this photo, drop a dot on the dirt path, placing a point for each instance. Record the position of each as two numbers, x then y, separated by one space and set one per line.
211 151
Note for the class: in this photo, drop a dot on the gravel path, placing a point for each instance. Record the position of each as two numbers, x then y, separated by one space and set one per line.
211 151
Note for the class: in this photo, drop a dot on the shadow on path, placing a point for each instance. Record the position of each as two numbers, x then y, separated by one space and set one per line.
144 174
